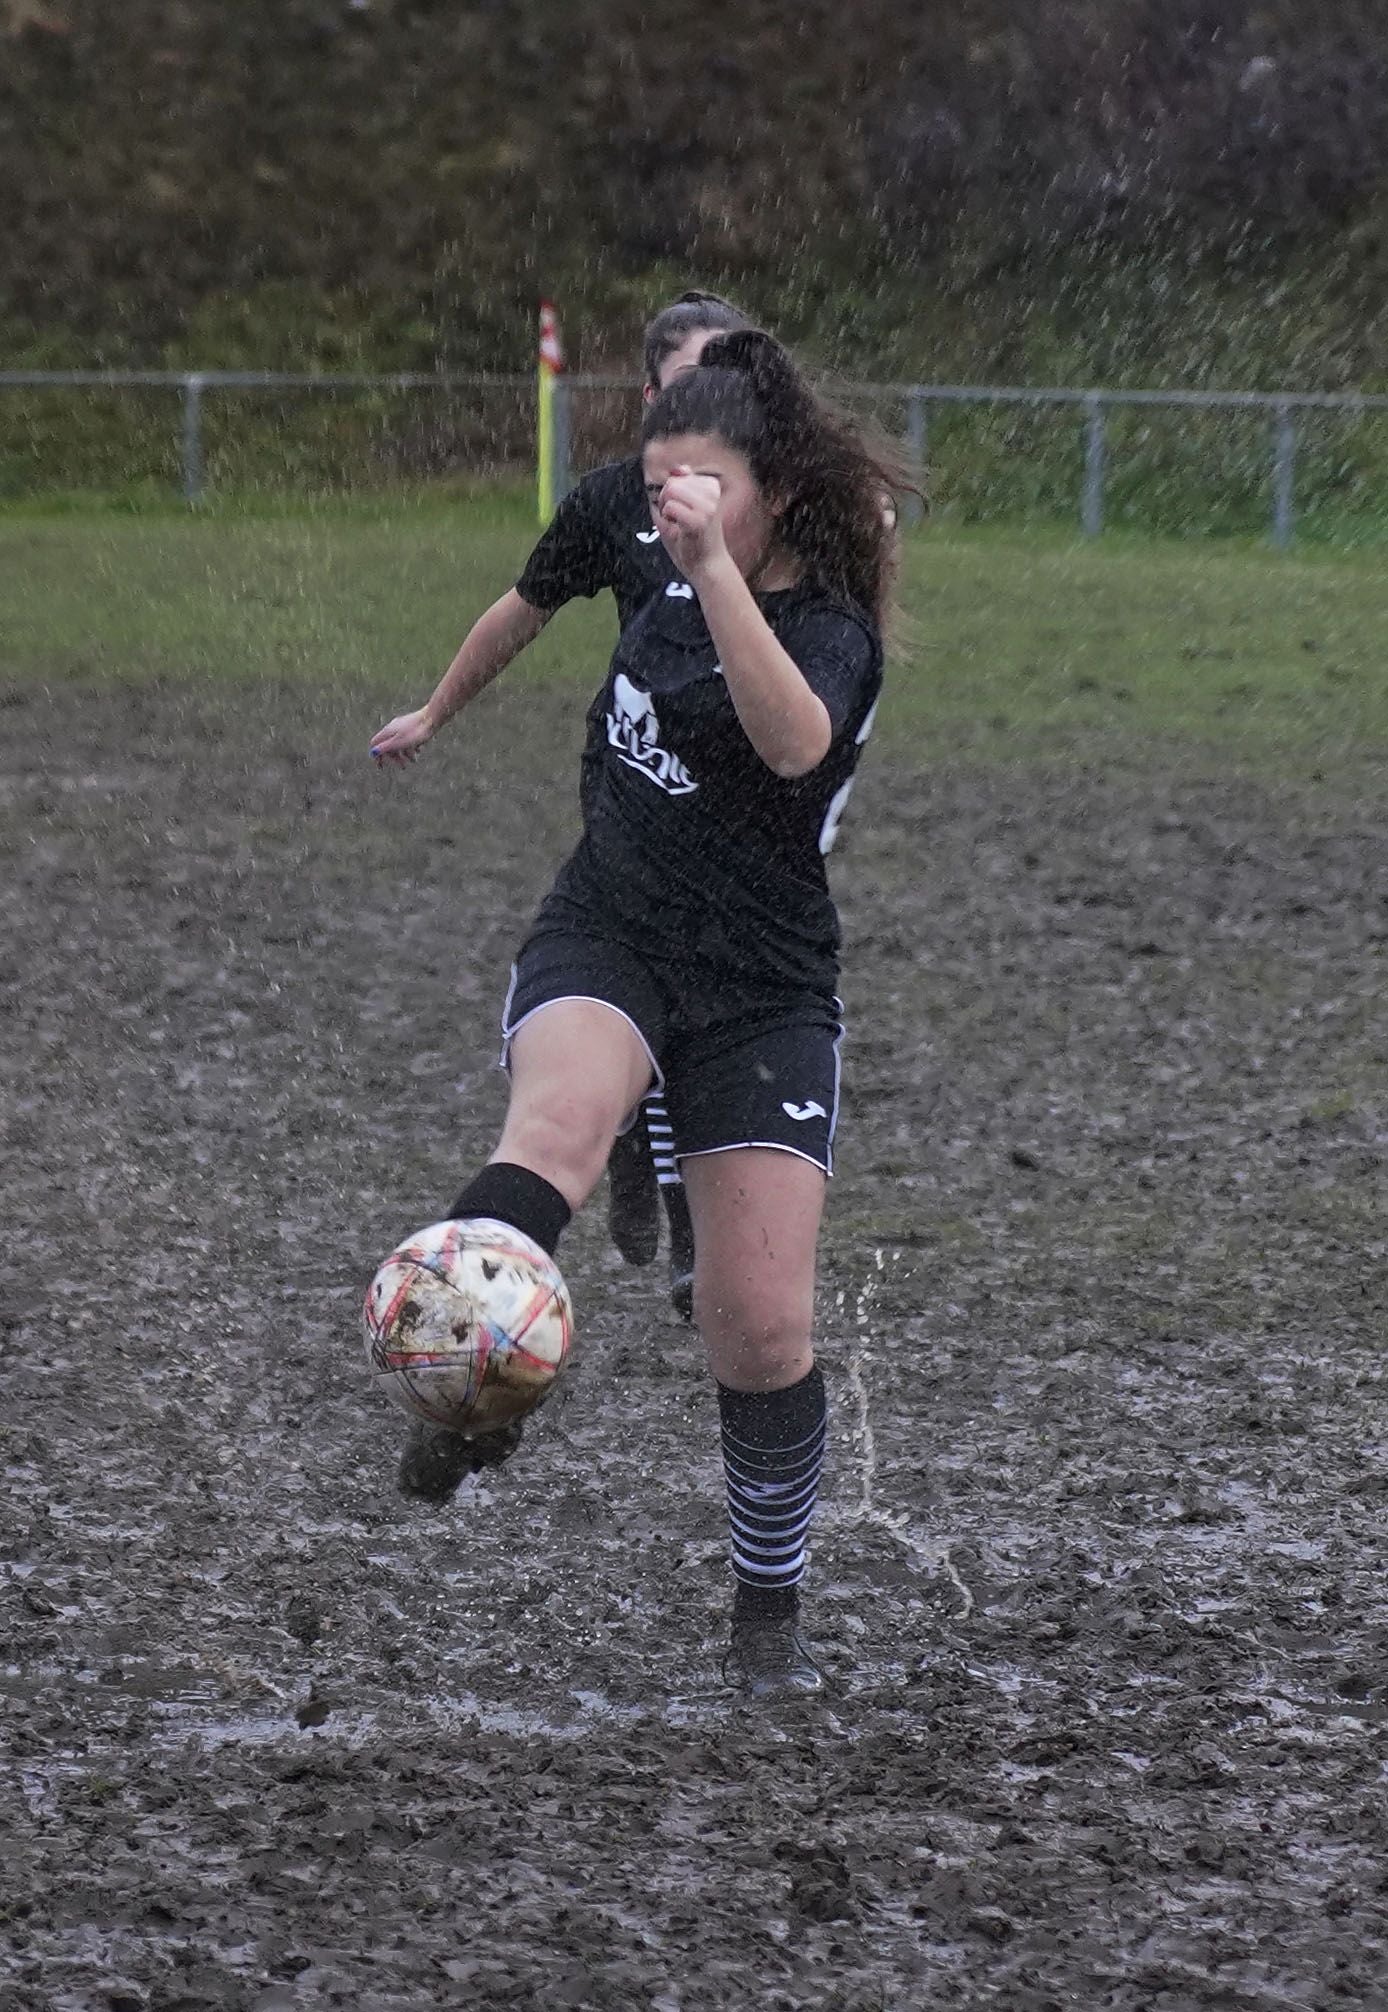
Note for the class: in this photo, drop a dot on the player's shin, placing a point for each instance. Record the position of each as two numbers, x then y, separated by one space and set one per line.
773 1453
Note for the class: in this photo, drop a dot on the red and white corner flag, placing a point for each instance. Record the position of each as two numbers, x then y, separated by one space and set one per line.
551 365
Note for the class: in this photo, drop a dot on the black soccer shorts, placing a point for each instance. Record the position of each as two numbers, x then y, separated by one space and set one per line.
738 1066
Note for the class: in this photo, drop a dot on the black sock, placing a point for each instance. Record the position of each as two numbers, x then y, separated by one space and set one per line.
514 1195
773 1450
681 1226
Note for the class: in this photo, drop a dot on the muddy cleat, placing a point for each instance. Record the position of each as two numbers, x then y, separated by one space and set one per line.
768 1656
682 1294
633 1198
681 1252
435 1460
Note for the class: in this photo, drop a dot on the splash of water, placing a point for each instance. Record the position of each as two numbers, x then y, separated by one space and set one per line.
927 1554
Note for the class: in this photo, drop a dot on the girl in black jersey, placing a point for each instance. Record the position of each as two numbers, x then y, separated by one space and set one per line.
601 539
690 942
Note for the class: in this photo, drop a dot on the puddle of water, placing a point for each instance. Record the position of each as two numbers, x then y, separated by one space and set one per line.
463 1714
37 1781
1011 1681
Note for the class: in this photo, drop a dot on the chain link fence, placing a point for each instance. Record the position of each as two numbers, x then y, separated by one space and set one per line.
1191 461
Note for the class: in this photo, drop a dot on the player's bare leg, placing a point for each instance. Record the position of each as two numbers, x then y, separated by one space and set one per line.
577 1068
756 1222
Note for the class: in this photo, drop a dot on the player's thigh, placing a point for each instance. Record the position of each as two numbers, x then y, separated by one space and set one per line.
578 1069
756 1217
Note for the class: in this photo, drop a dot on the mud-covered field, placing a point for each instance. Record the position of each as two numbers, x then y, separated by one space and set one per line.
1101 1577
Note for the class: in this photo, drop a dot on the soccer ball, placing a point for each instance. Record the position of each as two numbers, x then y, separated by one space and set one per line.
468 1324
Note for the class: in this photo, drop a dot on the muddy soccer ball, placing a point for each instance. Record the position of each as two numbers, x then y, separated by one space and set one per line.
468 1324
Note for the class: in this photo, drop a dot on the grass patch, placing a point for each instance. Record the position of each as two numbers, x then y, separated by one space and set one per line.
1014 646
1048 642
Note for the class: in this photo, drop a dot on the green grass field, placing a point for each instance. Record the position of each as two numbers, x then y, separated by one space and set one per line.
1013 646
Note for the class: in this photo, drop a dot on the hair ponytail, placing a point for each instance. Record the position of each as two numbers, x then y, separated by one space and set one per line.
671 328
834 491
767 365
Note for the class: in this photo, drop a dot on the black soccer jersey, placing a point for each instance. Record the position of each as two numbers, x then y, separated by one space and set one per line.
601 536
694 852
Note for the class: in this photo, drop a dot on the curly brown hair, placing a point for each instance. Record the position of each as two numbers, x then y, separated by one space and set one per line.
837 493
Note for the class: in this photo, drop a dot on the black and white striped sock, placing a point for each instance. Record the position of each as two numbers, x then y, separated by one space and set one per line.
662 1140
773 1451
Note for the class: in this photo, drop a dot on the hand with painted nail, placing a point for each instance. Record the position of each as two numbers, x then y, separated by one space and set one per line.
400 741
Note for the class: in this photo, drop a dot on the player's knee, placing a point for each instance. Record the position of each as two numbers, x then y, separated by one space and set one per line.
572 1142
754 1343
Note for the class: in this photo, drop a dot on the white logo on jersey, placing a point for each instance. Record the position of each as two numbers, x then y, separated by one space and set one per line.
647 537
634 731
803 1111
678 590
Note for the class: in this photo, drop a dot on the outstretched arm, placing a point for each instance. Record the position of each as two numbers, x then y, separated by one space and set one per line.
493 641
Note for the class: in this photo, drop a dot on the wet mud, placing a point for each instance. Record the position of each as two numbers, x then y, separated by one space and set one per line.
1101 1573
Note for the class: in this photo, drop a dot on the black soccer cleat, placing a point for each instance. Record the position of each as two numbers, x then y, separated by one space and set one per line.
681 1250
633 1198
436 1460
768 1656
682 1294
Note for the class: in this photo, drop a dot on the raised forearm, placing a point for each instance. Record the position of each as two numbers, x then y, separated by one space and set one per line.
785 721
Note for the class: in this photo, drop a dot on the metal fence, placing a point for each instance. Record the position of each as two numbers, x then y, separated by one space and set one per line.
1282 412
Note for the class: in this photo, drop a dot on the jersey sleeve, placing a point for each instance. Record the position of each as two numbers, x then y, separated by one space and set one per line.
573 559
839 658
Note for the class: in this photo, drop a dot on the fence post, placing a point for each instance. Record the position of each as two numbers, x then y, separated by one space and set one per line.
563 439
916 443
192 438
1283 477
1092 501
